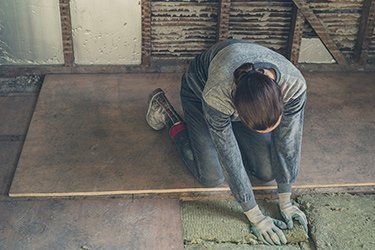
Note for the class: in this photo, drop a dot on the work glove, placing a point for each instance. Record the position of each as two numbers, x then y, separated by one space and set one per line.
265 228
290 212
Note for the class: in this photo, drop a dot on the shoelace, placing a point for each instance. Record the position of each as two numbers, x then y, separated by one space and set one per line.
168 110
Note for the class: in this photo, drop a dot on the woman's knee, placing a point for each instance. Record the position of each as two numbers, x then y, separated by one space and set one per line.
265 174
211 174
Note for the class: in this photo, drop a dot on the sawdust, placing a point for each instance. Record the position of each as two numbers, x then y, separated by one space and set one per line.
341 221
224 222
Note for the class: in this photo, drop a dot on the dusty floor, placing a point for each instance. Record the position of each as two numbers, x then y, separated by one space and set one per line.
336 221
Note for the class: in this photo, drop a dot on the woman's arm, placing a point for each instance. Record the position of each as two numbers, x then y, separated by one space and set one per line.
220 127
286 141
264 227
286 144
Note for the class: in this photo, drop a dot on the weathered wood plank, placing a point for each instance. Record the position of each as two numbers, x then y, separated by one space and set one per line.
365 30
66 32
295 35
265 22
223 21
146 32
178 26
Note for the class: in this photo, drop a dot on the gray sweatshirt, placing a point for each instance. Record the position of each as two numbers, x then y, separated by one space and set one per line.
214 68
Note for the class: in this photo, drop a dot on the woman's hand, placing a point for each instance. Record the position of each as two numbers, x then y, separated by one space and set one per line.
290 212
265 228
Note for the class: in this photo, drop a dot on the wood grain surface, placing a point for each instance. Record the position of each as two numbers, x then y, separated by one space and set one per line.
88 136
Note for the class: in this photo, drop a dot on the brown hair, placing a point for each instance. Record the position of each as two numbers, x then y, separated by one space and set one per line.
257 98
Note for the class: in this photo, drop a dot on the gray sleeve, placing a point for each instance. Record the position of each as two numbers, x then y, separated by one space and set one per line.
220 128
292 83
286 144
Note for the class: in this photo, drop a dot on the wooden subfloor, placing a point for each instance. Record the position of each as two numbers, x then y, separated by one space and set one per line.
91 224
88 136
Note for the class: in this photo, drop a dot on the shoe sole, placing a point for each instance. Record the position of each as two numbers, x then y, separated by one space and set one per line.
151 97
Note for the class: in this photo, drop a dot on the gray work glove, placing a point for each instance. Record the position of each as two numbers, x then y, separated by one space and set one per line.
290 212
265 228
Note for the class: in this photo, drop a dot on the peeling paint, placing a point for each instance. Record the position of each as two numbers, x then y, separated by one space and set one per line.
25 35
106 32
182 29
263 22
109 32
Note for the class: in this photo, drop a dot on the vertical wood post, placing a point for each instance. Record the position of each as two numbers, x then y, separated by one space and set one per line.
66 29
223 20
146 32
366 27
320 30
295 35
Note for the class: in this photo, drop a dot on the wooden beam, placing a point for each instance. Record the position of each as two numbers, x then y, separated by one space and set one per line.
366 27
223 20
156 66
295 35
66 29
320 30
146 32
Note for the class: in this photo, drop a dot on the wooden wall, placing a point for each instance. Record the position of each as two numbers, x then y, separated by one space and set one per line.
181 29
174 31
341 19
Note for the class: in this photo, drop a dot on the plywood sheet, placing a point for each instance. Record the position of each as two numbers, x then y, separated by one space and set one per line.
88 136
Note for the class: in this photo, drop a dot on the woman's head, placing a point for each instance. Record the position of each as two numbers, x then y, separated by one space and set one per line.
257 99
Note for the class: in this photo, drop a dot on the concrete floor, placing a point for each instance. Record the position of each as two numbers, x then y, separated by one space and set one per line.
343 129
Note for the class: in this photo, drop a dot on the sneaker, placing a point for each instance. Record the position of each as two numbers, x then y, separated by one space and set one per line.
160 111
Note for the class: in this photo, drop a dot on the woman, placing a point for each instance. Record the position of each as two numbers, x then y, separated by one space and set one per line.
243 109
